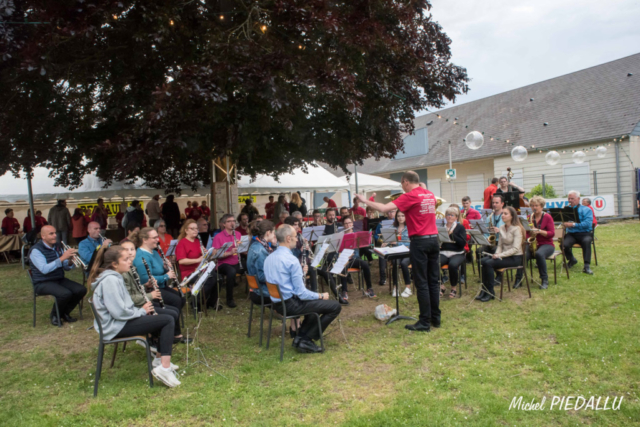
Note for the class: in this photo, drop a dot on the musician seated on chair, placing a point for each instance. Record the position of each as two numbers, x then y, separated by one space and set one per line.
468 212
120 318
494 222
543 230
283 269
48 264
400 223
453 254
263 243
146 240
508 253
140 298
355 262
317 219
377 235
189 256
92 243
579 232
228 264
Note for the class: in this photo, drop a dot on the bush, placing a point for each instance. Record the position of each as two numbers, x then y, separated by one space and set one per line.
537 191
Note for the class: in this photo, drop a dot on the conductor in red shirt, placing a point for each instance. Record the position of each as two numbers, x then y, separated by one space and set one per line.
330 203
489 192
419 207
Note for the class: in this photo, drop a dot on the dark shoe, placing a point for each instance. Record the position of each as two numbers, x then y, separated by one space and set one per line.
231 304
55 321
296 342
382 282
419 327
586 270
518 283
487 297
445 278
68 318
545 284
481 295
369 292
182 340
292 333
343 301
572 263
307 346
435 324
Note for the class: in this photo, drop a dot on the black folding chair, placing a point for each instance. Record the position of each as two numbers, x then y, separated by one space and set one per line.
253 285
35 294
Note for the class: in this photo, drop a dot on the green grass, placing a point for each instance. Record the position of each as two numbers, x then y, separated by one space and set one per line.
577 338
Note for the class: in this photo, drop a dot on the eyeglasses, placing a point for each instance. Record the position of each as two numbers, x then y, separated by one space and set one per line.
453 215
162 226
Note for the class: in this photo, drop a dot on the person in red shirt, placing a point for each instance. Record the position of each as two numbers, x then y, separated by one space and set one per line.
585 202
10 225
489 192
243 224
357 209
206 212
283 216
467 211
189 256
195 213
419 207
269 208
79 224
373 197
39 220
330 203
187 210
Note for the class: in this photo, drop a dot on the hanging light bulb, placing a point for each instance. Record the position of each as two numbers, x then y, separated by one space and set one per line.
115 17
171 22
222 17
263 28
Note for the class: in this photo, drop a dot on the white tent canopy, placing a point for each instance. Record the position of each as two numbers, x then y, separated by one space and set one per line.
318 179
370 183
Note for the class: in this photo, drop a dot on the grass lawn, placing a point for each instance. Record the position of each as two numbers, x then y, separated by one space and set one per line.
579 338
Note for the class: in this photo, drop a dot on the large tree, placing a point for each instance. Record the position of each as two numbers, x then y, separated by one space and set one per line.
157 88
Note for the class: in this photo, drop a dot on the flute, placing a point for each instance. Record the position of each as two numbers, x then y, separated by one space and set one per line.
153 281
164 258
490 254
136 278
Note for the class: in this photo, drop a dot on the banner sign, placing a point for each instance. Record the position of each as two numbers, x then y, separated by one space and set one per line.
243 199
112 207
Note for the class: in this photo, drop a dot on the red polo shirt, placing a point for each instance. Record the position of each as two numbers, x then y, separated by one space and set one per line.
188 250
331 204
10 225
419 208
358 211
488 194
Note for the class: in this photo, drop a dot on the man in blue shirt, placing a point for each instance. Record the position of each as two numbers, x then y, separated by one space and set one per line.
48 264
579 232
283 269
90 245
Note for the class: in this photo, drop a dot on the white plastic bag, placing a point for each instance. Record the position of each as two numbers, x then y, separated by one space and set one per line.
384 312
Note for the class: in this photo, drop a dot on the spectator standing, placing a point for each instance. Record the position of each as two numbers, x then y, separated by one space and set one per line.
60 219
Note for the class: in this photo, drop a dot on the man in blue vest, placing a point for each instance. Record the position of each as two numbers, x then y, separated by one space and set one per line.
48 264
579 232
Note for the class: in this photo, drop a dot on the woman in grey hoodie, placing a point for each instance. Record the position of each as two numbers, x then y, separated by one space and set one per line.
119 316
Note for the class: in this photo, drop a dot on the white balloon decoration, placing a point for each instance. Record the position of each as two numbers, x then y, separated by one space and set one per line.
579 157
601 152
552 158
519 153
474 140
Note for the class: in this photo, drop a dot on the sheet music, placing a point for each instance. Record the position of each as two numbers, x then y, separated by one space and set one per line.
193 275
243 247
313 233
400 249
341 261
478 237
203 278
222 250
317 258
389 235
335 240
480 224
443 235
387 223
205 258
172 248
486 212
440 222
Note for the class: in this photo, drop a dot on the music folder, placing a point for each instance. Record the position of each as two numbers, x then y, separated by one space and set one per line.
566 214
443 235
172 248
478 237
479 224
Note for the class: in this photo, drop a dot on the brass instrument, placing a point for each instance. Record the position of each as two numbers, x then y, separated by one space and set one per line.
533 242
509 174
153 281
136 278
492 239
175 282
76 260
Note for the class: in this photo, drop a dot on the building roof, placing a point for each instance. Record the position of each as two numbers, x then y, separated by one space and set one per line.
593 104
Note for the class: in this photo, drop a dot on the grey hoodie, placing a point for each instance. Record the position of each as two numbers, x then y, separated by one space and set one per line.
113 303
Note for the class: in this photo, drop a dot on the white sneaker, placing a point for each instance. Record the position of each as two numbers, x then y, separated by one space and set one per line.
407 293
156 362
395 292
168 378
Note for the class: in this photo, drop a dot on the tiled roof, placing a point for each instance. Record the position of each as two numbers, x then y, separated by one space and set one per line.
597 103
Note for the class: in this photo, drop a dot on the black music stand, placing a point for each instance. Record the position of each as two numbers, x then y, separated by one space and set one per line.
397 257
512 198
562 215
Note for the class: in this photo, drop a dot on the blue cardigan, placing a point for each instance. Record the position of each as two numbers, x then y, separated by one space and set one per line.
154 261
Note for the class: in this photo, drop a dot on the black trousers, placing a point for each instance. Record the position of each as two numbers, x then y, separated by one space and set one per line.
327 309
489 265
454 264
172 298
404 265
229 272
67 292
328 277
541 255
367 252
584 240
382 264
362 265
255 298
169 311
162 325
425 254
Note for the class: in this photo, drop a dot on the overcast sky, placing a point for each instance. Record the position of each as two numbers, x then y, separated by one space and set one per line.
507 44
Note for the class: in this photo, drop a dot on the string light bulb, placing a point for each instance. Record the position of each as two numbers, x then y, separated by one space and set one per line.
171 22
115 17
263 28
222 17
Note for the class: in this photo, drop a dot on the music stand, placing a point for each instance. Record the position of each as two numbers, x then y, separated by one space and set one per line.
171 250
397 257
443 235
486 212
561 215
512 198
479 224
526 211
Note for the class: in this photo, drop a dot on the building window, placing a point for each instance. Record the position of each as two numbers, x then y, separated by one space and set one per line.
577 177
475 187
416 144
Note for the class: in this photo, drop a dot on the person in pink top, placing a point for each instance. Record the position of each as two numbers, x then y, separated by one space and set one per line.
228 265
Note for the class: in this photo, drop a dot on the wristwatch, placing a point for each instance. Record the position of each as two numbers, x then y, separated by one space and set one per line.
320 296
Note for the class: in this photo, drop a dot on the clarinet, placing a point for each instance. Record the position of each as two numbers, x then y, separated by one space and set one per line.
235 243
153 281
136 279
175 282
202 249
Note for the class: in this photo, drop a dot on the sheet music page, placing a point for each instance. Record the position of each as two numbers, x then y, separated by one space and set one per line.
203 278
392 250
389 235
306 233
443 235
317 258
222 250
172 248
334 242
243 247
341 261
386 223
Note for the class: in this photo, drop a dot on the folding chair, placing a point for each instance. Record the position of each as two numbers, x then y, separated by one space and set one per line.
463 270
253 285
507 269
553 257
115 341
593 245
35 294
274 291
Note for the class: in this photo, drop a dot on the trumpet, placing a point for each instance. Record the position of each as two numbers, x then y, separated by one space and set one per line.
77 261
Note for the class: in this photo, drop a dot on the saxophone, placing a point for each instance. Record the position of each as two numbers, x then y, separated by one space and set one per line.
533 242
